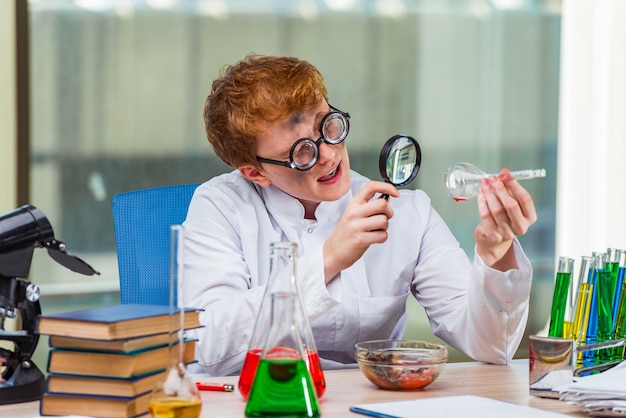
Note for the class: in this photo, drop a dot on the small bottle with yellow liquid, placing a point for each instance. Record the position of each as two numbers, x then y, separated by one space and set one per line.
177 397
175 408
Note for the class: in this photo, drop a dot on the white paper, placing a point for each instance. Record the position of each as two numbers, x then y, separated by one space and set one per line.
451 406
604 392
609 381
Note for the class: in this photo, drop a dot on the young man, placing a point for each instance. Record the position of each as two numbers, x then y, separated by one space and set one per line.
359 257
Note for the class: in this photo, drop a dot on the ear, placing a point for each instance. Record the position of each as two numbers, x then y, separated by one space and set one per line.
254 175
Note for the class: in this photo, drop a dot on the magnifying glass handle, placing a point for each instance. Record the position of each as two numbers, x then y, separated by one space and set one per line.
384 196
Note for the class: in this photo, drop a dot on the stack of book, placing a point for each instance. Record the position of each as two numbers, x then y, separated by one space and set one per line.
105 361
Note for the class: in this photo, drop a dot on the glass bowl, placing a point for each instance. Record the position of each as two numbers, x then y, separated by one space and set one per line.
401 364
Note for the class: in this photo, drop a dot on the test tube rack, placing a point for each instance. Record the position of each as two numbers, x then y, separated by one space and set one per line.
554 362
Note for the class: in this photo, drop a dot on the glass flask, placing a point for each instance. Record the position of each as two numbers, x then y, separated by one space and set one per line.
176 396
462 180
282 384
282 278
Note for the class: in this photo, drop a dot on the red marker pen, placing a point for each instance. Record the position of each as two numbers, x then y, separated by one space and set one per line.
218 387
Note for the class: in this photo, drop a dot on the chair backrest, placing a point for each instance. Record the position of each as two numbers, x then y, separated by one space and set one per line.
142 221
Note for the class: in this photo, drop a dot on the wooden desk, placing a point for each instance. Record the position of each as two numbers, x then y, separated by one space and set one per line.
348 387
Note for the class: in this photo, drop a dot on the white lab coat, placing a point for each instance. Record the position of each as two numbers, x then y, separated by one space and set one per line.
231 222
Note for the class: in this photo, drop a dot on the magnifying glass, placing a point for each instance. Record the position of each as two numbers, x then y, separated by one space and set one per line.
399 161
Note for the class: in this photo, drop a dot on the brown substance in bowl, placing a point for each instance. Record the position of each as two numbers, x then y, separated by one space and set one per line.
400 366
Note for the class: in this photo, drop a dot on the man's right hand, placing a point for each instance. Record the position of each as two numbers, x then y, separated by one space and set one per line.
363 223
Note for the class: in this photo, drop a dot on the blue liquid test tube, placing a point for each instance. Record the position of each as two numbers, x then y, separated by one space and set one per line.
592 325
619 259
618 295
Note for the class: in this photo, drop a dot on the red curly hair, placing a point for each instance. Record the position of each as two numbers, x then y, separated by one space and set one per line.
253 93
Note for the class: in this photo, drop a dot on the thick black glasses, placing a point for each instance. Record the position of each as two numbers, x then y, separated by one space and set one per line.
305 151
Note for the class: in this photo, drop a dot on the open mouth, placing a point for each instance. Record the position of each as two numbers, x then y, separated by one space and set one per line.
330 176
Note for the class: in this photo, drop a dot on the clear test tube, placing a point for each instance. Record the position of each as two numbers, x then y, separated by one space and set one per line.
559 297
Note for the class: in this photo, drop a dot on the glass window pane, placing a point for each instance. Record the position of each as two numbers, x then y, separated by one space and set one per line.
117 89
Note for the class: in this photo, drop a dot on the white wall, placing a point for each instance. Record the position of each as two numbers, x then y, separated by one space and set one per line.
591 183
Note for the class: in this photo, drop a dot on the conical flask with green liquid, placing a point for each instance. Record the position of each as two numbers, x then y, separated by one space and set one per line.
282 385
282 278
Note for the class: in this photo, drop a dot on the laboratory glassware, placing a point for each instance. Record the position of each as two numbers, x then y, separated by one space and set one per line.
175 395
559 297
282 278
282 385
462 180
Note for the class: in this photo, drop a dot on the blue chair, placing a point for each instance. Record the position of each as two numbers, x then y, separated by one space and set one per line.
142 220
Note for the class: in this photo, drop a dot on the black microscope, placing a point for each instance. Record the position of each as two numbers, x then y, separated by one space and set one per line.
21 231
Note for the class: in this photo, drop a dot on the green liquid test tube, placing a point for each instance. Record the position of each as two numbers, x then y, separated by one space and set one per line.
559 298
605 313
605 306
620 321
612 265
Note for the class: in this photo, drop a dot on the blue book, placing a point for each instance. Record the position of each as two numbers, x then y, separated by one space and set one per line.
115 322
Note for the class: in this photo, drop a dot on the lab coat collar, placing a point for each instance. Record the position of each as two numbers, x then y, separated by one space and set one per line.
283 206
